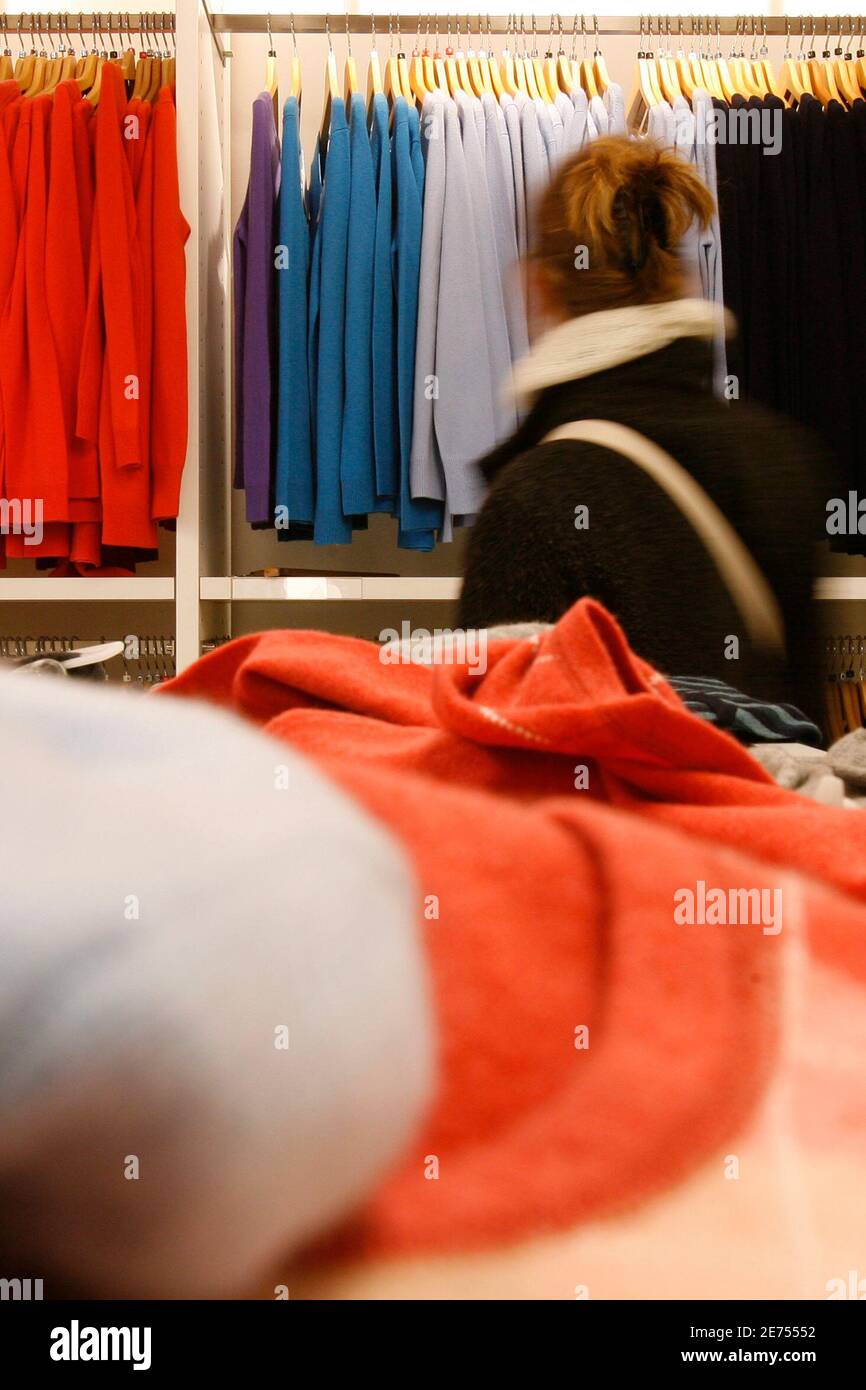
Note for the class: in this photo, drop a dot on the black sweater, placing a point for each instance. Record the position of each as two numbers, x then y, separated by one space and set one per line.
526 561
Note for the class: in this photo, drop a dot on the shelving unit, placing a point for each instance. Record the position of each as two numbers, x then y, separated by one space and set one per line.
220 66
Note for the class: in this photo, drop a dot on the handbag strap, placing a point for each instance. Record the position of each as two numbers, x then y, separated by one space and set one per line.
752 595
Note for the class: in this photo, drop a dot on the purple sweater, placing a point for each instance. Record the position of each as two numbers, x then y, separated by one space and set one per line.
254 294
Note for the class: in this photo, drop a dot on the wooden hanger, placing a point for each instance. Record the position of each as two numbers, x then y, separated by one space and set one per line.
709 68
585 68
651 61
25 62
551 71
417 69
86 66
155 82
148 73
525 82
554 65
790 81
755 67
860 60
542 88
38 67
644 97
391 81
602 76
295 80
490 63
7 67
507 65
477 64
722 67
127 62
462 60
350 71
431 78
668 76
141 80
332 85
683 66
374 69
272 75
403 70
451 75
167 63
823 83
95 91
844 69
54 70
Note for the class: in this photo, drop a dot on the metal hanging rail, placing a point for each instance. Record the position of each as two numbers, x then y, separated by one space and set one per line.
666 26
104 22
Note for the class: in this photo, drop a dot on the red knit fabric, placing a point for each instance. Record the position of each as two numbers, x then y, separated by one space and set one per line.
169 423
37 470
92 285
66 293
552 907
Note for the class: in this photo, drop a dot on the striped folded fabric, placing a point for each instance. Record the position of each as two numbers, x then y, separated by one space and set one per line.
749 719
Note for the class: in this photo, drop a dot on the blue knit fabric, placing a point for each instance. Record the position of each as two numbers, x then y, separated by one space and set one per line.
332 235
295 489
357 462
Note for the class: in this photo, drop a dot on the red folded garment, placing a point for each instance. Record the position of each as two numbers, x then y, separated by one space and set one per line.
550 907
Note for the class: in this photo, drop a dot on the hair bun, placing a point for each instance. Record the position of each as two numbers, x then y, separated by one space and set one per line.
629 202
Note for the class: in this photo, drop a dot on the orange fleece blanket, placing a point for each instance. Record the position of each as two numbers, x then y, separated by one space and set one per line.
608 888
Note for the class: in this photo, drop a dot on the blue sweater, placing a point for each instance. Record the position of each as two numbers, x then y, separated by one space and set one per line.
384 311
329 266
295 485
357 460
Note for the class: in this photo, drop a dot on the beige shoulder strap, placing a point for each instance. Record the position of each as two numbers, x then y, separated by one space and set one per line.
746 584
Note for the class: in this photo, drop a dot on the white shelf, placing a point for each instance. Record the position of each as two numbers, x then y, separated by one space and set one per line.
44 589
841 587
325 588
301 589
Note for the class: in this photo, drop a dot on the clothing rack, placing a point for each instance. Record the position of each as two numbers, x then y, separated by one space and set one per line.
149 660
387 27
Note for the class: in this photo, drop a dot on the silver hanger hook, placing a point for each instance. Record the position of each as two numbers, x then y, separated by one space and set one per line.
348 35
328 34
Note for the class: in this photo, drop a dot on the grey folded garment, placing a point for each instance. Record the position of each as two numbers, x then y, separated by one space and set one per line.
214 1025
833 777
848 759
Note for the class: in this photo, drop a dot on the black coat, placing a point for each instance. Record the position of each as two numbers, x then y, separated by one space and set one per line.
526 561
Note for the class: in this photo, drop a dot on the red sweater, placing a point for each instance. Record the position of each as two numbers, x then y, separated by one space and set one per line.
545 907
169 411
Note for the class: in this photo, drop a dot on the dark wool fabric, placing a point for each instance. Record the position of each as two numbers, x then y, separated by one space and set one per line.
527 561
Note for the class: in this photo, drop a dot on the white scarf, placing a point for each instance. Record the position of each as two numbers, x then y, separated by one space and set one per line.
595 342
